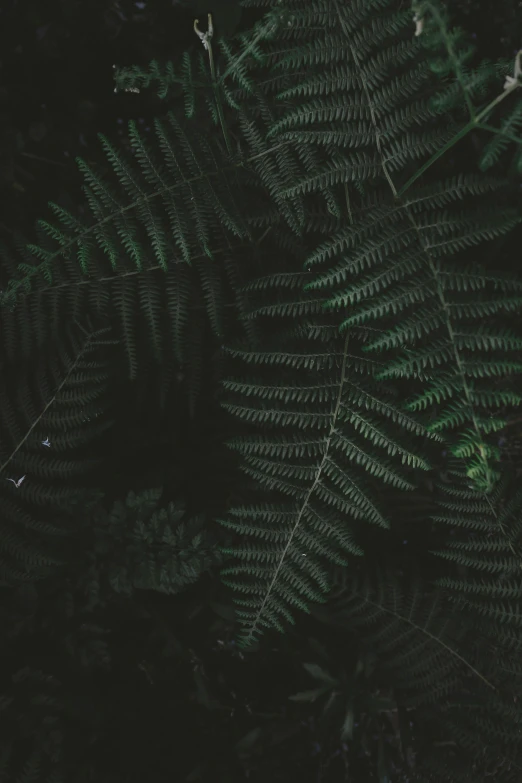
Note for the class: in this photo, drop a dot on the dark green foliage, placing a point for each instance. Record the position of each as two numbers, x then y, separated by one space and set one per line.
451 55
53 407
401 256
165 227
330 436
294 243
426 653
141 547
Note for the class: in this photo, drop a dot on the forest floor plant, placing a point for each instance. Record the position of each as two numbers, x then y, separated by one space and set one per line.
296 226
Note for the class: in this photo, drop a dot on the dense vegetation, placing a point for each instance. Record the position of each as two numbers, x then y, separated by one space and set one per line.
260 510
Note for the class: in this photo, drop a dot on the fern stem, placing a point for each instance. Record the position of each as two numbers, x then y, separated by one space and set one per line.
507 91
86 347
219 103
206 39
500 132
465 130
7 296
397 195
475 122
370 103
424 630
348 208
250 635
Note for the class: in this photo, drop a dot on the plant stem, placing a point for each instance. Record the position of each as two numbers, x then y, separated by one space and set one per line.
215 85
473 123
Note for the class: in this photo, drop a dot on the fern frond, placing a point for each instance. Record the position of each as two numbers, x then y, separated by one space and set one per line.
409 240
70 391
426 648
139 546
450 51
491 550
322 446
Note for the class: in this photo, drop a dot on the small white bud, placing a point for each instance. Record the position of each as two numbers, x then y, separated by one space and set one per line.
514 81
204 37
